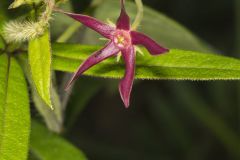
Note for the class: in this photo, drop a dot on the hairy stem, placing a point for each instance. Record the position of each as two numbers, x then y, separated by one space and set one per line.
139 16
46 16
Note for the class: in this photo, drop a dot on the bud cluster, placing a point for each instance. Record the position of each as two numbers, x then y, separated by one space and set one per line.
23 30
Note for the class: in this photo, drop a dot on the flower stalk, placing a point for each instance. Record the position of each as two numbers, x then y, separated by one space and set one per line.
139 15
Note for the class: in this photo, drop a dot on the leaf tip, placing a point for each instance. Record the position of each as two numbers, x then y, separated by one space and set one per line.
52 108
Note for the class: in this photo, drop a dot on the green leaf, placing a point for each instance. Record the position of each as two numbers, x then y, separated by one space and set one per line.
53 118
14 111
3 20
2 12
48 146
165 30
40 65
18 3
1 44
175 65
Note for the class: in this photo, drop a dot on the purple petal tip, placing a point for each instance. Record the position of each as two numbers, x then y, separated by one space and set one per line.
98 26
69 85
125 86
153 47
124 96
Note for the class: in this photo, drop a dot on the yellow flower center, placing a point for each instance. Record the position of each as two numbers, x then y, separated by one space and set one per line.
122 39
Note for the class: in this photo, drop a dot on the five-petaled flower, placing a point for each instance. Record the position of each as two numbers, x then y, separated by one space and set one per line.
121 39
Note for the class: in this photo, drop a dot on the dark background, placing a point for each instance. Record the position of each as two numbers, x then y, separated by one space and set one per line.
167 120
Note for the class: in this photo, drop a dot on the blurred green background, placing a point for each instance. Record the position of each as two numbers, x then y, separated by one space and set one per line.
167 120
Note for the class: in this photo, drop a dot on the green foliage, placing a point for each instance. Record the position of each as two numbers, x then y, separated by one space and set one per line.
188 62
40 64
3 17
49 146
1 44
2 13
18 3
14 111
175 65
53 118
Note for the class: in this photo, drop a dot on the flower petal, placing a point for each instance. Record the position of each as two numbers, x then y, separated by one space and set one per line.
97 57
98 26
125 86
123 21
153 47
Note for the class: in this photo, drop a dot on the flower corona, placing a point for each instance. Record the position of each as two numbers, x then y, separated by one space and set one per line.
122 39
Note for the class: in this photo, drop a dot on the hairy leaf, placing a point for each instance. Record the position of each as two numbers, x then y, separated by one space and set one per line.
48 146
175 65
40 65
14 111
53 118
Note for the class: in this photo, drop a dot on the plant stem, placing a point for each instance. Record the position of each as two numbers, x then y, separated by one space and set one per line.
46 15
69 32
65 36
139 16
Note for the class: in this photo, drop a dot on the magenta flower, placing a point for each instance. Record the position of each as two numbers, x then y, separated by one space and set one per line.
121 39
